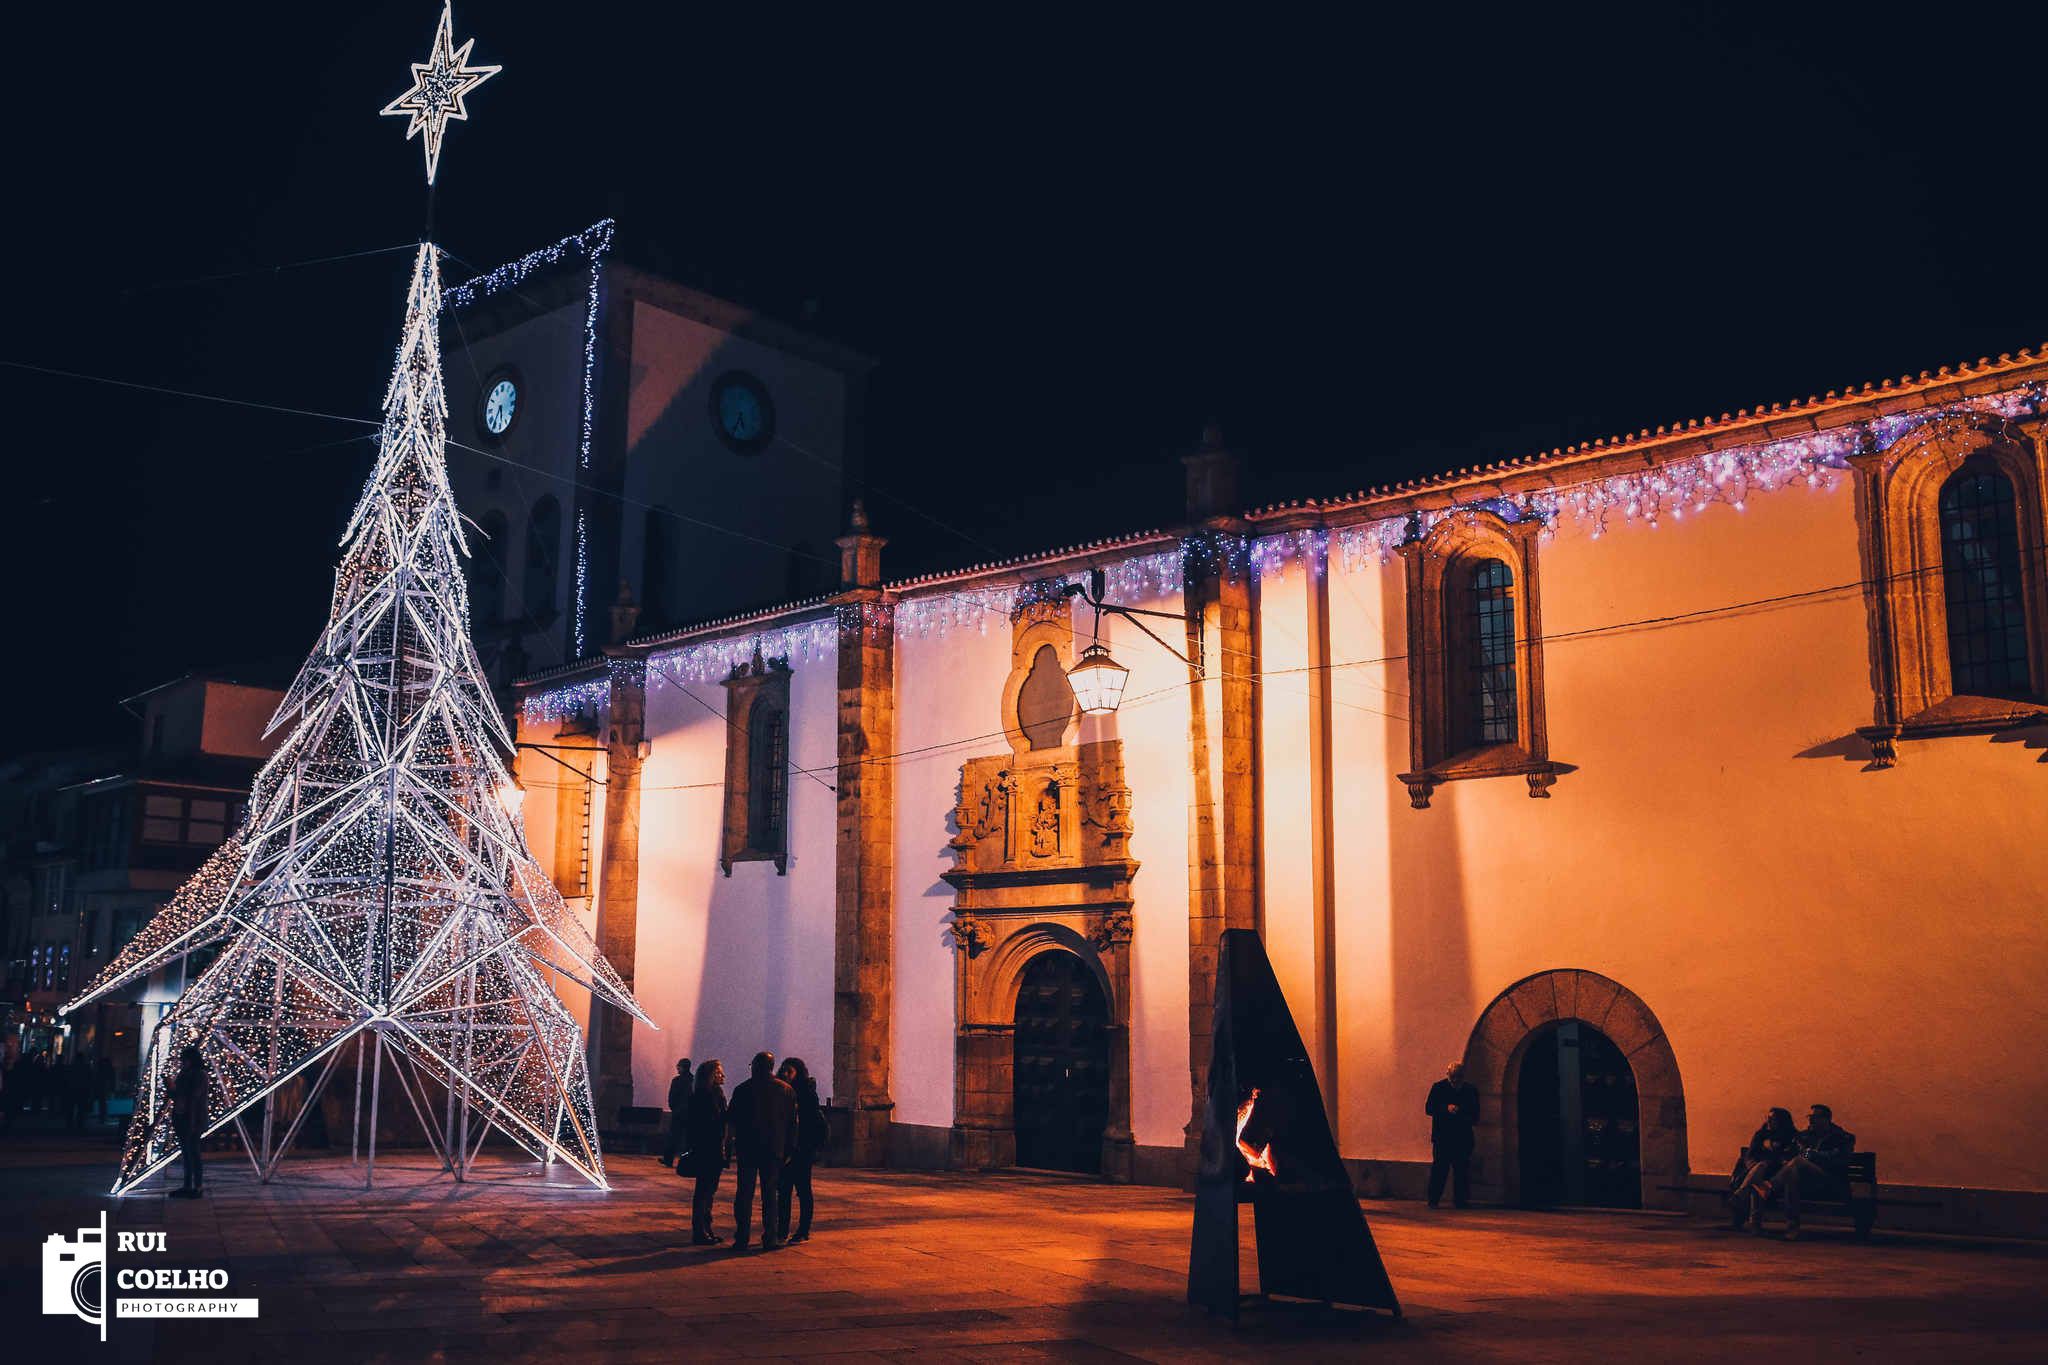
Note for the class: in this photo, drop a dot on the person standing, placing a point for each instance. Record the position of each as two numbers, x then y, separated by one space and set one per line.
1453 1109
678 1112
810 1140
705 1143
763 1124
188 1118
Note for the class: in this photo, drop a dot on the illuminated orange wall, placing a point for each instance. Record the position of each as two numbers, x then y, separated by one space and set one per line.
1802 928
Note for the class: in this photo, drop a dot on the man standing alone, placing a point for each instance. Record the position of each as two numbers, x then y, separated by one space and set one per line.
1453 1108
763 1122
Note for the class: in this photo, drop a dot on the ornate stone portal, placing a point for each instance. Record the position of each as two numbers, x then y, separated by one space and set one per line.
1041 864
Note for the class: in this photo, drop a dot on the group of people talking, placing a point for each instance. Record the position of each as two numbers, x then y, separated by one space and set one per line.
773 1127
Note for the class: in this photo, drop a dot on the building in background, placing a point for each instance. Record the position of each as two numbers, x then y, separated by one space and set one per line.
624 442
98 840
1659 780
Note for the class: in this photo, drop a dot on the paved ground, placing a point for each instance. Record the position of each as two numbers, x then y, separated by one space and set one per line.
944 1268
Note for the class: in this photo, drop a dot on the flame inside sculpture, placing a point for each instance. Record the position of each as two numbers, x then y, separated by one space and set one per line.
1257 1158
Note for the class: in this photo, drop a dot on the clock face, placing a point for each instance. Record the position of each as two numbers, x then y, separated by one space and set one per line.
741 409
501 405
498 403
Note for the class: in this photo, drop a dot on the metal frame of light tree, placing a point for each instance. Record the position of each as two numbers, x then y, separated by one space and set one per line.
380 889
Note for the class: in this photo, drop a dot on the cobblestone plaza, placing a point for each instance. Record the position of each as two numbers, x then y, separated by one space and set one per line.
944 1267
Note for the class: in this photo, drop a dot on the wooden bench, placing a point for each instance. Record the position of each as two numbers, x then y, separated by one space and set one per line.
1855 1197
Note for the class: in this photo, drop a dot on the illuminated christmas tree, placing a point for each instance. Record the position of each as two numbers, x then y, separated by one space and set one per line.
380 892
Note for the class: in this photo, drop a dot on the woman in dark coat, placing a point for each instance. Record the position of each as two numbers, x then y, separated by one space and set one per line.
1749 1187
810 1140
706 1156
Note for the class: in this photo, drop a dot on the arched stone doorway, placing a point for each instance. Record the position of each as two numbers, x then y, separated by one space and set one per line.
1532 1014
1077 1011
1061 1060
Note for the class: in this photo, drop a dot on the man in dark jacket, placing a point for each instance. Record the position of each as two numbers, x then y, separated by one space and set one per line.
678 1112
1822 1165
188 1119
1453 1108
762 1119
704 1139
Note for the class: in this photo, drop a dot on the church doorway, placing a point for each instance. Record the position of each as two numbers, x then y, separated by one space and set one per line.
1061 1064
1578 1121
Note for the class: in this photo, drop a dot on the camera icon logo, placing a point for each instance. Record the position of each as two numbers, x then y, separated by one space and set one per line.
74 1275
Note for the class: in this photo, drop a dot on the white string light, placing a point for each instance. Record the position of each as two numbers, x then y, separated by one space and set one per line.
591 244
1672 490
381 882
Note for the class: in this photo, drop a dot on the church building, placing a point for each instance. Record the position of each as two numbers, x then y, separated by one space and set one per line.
1659 780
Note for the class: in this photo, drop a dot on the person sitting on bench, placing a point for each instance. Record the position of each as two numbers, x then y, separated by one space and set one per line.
1821 1166
1749 1187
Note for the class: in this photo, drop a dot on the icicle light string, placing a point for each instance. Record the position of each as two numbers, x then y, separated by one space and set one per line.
594 691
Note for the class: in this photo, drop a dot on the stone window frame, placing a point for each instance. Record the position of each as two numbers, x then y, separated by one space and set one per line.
751 686
1898 494
1436 609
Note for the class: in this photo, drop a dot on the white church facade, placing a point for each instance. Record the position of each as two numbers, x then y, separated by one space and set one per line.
1660 780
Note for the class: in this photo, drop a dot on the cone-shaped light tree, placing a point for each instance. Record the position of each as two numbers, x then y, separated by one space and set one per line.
379 902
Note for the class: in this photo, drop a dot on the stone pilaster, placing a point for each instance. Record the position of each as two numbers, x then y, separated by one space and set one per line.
864 941
1221 594
618 905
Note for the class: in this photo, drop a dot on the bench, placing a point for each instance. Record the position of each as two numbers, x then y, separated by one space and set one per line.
1855 1197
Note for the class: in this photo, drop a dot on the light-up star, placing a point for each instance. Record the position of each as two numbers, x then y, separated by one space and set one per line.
438 86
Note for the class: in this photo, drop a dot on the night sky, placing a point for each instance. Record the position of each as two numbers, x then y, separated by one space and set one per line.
1070 235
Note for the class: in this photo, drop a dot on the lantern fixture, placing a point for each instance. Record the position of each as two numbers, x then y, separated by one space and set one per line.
1096 677
1098 681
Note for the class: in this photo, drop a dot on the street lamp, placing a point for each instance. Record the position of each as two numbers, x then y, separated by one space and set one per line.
1098 681
1097 678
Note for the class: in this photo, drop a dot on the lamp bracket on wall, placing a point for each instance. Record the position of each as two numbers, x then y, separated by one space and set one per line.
1091 592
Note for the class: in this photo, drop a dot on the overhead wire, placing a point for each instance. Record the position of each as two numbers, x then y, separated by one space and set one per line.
1559 637
1548 638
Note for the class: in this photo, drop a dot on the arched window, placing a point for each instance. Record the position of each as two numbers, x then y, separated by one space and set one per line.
1483 654
767 773
543 559
656 564
1475 655
1981 585
487 571
1955 557
756 765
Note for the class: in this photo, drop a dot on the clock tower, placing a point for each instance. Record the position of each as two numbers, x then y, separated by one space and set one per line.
616 427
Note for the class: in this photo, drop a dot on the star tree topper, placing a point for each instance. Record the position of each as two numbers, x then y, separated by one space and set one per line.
438 85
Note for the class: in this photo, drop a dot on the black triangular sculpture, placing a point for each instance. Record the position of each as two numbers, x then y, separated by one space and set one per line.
1313 1241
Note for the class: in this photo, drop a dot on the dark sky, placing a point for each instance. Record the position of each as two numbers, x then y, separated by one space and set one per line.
1070 234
